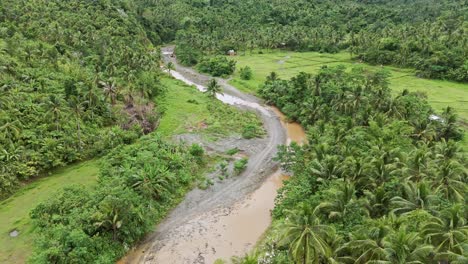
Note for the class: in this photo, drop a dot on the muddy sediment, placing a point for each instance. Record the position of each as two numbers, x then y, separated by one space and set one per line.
229 217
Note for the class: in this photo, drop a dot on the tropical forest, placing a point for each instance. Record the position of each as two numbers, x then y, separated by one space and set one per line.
234 131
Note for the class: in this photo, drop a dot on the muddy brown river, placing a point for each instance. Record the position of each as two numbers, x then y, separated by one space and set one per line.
225 231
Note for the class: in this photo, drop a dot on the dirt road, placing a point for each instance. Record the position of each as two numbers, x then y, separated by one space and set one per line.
198 229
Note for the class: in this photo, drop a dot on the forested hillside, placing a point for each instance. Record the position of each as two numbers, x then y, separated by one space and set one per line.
429 35
76 79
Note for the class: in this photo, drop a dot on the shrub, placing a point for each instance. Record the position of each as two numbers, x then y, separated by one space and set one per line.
246 73
217 66
232 151
197 151
251 131
240 165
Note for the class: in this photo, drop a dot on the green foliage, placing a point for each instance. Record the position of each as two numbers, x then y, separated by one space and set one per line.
138 185
232 151
217 66
197 152
245 73
251 131
380 172
208 117
240 165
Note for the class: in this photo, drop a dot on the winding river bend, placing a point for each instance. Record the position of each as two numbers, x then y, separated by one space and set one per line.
227 220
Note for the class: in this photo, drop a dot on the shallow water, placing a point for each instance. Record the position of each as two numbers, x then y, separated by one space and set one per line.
295 131
241 226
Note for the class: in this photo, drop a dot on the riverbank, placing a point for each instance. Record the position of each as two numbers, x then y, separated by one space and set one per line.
200 229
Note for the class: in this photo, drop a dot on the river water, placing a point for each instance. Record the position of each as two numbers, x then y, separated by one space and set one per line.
233 230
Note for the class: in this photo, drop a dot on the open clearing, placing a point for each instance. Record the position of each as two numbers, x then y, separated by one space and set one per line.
288 64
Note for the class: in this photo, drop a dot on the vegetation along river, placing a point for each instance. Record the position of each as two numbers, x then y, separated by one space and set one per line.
228 220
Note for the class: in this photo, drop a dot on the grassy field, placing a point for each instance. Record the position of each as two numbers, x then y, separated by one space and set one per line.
180 116
288 64
14 212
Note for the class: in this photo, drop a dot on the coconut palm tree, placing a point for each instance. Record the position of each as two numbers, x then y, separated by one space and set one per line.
111 91
326 169
337 251
10 130
448 232
449 181
77 109
415 196
377 201
418 164
403 247
446 150
304 235
54 106
342 198
170 66
154 181
454 258
366 243
449 129
213 88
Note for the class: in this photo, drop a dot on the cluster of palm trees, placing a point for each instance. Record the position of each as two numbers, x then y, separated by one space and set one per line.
370 187
388 239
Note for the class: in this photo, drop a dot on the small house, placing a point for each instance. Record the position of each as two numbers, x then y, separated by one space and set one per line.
232 53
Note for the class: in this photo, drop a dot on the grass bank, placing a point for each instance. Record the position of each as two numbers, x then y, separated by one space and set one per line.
288 64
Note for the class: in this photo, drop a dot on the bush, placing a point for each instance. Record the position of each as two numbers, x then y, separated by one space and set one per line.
246 73
240 165
217 66
251 131
197 151
232 151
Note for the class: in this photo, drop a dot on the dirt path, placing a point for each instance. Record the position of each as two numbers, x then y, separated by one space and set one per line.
194 231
